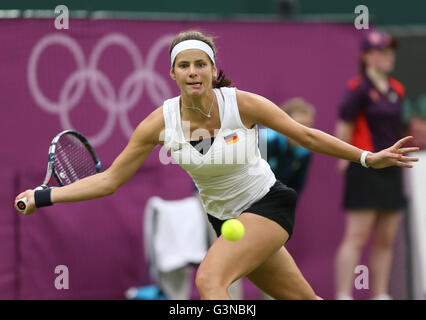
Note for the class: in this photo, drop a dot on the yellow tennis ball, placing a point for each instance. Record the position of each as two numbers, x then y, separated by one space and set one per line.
232 229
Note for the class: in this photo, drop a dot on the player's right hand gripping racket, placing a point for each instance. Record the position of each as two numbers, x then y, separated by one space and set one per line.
71 158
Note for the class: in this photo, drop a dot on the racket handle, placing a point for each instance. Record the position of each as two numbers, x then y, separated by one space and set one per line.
21 205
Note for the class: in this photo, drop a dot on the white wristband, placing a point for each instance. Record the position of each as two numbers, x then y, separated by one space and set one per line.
363 157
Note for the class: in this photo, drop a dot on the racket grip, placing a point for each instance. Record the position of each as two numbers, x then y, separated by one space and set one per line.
21 205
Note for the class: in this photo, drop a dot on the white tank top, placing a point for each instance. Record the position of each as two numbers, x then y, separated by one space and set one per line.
231 175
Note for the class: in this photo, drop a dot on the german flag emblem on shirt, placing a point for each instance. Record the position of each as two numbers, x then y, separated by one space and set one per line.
232 138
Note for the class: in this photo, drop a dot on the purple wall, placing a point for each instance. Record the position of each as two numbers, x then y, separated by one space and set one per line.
101 241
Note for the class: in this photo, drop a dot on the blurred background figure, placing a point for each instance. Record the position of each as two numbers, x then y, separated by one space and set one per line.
370 116
288 160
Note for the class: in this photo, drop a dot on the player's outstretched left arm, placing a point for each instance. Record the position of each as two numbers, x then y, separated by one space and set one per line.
255 109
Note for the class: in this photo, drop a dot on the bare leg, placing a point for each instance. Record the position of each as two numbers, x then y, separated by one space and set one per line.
358 226
280 278
227 261
382 252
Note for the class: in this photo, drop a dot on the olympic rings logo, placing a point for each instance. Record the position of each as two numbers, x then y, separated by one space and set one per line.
87 74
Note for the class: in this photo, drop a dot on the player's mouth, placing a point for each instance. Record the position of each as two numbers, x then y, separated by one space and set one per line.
195 85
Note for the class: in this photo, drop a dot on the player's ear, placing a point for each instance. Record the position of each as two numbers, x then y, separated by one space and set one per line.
214 72
172 74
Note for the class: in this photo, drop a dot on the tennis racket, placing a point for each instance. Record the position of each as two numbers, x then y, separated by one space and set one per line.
71 158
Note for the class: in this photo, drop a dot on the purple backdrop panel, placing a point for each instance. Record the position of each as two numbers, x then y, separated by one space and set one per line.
102 78
9 242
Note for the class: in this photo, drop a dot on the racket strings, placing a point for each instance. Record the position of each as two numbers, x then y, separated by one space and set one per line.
73 160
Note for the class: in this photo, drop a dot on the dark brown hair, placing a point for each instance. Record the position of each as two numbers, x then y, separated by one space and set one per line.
221 80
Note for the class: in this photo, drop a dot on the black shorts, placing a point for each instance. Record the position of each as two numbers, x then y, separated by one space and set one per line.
368 188
278 205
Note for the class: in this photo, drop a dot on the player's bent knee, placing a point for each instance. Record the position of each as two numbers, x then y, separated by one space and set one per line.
207 281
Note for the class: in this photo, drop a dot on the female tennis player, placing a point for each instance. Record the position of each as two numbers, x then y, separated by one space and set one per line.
226 119
370 117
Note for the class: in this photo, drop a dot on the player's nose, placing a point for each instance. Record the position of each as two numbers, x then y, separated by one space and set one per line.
192 71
